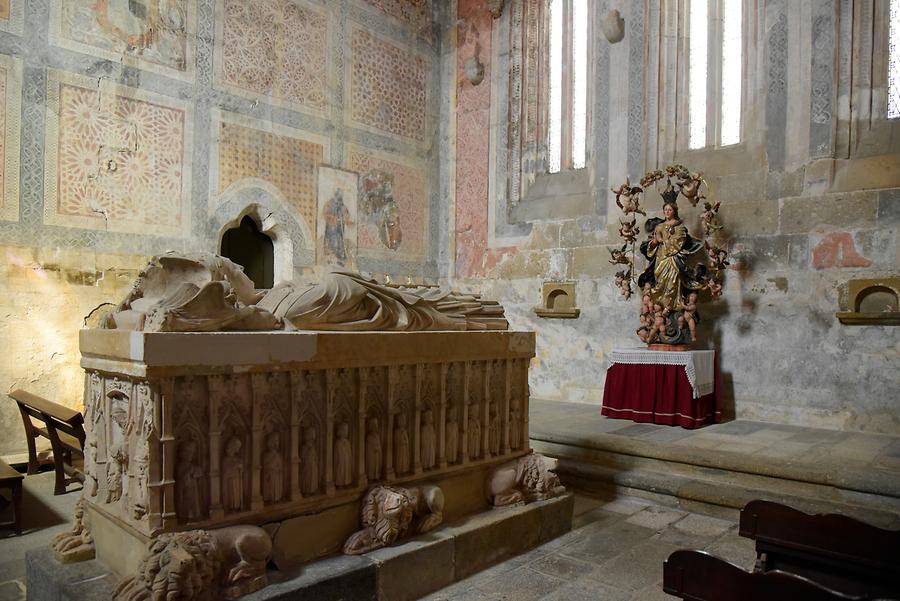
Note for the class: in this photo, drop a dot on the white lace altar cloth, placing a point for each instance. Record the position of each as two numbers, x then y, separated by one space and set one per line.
699 366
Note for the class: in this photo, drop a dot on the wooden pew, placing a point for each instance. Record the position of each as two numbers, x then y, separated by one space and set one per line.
699 576
64 428
11 479
837 551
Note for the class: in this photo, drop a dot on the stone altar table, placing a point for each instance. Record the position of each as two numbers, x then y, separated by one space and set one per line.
200 430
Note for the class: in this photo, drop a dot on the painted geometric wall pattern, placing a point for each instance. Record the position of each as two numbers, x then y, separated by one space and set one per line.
416 13
10 129
157 35
388 86
288 163
410 188
12 16
117 158
275 48
4 10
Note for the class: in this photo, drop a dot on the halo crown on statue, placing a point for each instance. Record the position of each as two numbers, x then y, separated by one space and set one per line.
681 270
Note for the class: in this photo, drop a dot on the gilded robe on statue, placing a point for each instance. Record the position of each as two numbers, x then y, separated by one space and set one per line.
669 252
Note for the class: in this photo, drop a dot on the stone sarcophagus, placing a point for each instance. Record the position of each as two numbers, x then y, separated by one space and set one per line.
201 430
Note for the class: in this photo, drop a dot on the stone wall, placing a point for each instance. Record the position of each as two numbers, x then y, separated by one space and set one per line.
810 198
154 125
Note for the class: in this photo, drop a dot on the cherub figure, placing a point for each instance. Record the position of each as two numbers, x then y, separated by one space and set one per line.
659 322
718 257
623 281
689 186
618 256
628 198
714 287
628 230
646 303
689 313
643 331
709 218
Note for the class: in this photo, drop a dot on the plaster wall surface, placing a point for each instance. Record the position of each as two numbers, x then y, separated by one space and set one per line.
143 127
809 197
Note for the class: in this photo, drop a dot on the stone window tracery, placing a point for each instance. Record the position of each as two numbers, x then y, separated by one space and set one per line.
567 41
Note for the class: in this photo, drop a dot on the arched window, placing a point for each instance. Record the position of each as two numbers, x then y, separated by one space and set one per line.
253 250
567 84
715 72
893 103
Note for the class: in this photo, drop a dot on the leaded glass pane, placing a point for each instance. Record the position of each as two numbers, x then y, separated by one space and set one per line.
732 66
554 132
697 74
894 62
579 81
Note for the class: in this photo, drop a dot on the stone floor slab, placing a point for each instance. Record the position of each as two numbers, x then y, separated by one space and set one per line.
655 517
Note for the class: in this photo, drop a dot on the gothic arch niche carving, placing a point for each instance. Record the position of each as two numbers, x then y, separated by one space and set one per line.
235 467
312 440
190 415
375 403
345 428
276 415
429 394
404 419
453 430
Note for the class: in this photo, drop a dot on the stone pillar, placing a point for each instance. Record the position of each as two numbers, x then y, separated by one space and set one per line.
361 480
504 407
216 391
442 418
297 387
417 419
485 409
389 449
154 467
464 435
522 374
258 386
330 383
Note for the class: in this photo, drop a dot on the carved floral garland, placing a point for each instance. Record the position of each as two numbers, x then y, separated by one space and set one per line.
700 269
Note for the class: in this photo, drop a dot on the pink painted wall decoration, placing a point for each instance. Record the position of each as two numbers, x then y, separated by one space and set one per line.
388 86
276 48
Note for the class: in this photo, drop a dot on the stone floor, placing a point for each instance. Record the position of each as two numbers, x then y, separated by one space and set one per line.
753 439
44 516
615 552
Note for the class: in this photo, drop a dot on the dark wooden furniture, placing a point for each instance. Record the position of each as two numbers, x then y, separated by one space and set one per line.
11 479
698 576
834 550
62 426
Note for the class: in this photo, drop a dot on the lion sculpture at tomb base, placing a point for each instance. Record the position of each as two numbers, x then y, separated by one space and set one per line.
200 565
529 478
391 512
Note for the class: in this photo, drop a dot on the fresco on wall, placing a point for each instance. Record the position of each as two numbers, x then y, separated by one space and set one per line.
414 13
388 86
337 218
156 34
117 158
393 204
274 48
251 151
10 121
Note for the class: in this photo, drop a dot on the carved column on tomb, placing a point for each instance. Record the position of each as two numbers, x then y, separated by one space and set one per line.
522 374
389 450
216 386
464 436
330 385
361 396
442 420
417 419
167 441
504 408
297 387
258 391
485 409
150 398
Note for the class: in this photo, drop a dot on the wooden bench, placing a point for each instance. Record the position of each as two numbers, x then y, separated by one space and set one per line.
11 479
837 551
64 428
699 576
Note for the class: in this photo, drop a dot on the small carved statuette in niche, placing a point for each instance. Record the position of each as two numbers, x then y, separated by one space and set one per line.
451 436
494 430
309 463
233 476
474 441
373 450
428 440
273 470
401 445
873 302
343 457
189 483
558 301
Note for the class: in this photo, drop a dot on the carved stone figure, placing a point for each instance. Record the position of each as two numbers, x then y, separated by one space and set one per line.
233 476
429 444
309 463
139 498
77 544
474 448
91 486
494 430
515 424
373 450
529 478
401 445
273 470
200 565
115 467
189 483
204 293
343 456
451 436
389 513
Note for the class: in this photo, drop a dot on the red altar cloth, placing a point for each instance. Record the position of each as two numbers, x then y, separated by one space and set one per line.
659 394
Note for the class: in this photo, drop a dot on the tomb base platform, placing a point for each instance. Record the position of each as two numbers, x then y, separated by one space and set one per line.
406 571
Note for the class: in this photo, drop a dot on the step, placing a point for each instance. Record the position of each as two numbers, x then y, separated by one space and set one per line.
717 483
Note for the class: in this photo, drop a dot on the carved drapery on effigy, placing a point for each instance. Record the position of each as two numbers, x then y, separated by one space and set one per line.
199 446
